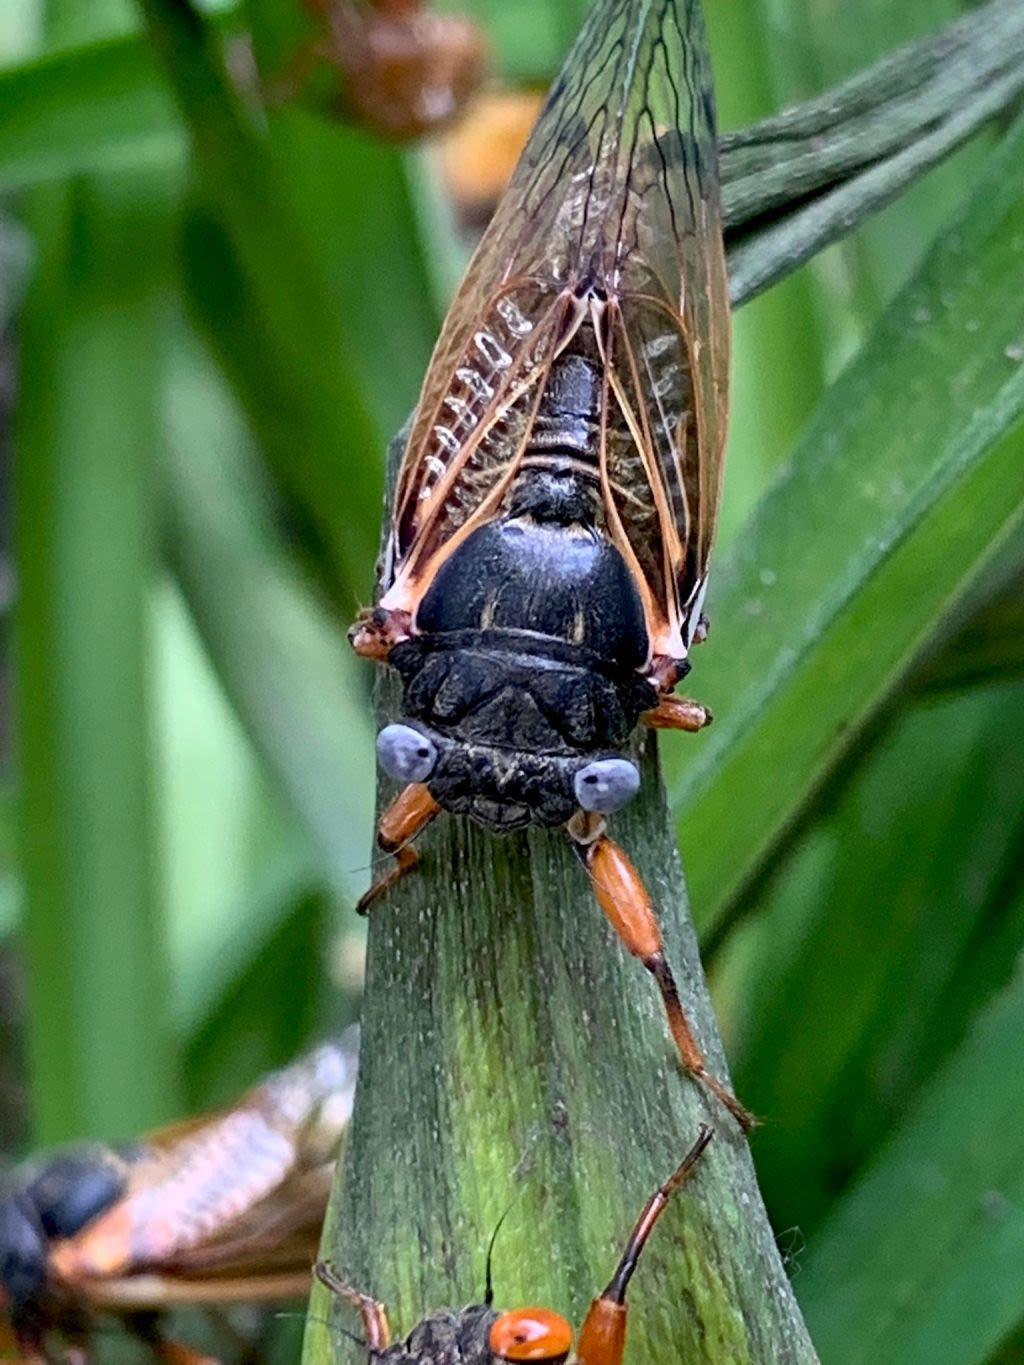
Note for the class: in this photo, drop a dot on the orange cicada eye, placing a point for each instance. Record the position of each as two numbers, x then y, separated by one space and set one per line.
531 1334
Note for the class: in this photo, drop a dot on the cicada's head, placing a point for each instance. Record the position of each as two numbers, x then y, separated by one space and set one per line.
478 1335
512 730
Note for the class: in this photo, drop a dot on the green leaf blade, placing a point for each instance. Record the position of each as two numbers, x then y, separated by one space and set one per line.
907 476
940 1281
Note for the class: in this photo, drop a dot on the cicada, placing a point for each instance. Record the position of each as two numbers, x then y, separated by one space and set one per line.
222 1209
478 1335
545 569
407 70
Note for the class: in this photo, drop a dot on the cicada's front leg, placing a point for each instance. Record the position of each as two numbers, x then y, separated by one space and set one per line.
409 813
623 897
677 713
373 1314
602 1338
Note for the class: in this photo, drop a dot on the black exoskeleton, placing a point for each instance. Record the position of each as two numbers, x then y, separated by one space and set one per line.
43 1203
524 666
446 1338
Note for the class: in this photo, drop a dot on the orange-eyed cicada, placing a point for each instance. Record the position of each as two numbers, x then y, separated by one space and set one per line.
544 575
478 1335
222 1209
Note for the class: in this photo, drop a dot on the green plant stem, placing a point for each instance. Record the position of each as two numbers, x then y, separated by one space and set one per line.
283 348
515 1058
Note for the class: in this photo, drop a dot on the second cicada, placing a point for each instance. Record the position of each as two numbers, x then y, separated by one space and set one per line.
478 1335
544 575
222 1209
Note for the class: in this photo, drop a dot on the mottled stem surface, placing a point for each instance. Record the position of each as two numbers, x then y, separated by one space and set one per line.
515 1058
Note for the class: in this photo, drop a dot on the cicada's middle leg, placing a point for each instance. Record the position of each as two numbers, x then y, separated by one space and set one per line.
623 897
409 813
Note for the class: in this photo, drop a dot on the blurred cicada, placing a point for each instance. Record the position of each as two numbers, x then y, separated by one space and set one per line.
478 1335
544 576
222 1209
406 69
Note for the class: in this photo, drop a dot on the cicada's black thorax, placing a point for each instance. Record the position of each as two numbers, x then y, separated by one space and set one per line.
447 1338
525 662
44 1202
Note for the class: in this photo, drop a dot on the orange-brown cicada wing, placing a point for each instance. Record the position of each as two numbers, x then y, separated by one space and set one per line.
611 221
240 1195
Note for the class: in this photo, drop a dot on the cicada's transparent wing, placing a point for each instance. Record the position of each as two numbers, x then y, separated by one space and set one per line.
237 1191
612 218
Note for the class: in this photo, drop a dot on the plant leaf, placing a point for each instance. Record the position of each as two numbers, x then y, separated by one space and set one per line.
921 1261
908 475
283 662
87 422
892 923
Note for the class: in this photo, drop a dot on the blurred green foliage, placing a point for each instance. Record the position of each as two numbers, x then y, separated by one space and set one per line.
220 317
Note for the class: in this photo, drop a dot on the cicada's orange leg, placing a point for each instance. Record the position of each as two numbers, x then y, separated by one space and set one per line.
372 1313
623 897
410 812
603 1336
677 713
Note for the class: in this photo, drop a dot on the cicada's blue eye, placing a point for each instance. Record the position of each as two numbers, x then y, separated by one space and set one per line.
405 754
606 784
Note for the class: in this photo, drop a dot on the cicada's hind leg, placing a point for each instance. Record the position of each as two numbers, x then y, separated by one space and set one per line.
623 897
372 1313
410 812
603 1335
677 713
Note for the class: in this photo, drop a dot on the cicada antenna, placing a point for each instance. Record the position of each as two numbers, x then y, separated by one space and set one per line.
372 865
489 1277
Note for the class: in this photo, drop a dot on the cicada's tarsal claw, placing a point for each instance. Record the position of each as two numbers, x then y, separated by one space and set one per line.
603 1335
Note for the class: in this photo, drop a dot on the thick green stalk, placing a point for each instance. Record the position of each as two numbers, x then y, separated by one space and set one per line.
516 1058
